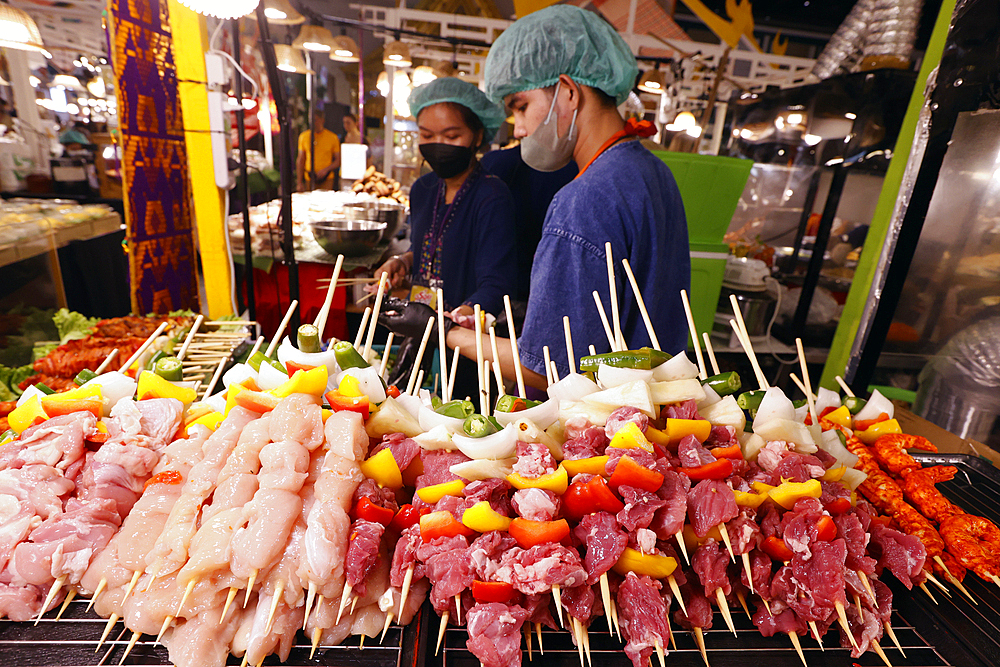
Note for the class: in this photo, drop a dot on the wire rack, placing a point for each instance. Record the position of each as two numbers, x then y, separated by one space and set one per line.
73 641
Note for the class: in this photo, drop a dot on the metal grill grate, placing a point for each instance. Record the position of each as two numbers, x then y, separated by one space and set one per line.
72 640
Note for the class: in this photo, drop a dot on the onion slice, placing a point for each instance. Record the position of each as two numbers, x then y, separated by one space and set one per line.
774 405
288 352
573 387
237 374
543 415
369 382
610 376
270 377
428 419
677 367
877 404
499 445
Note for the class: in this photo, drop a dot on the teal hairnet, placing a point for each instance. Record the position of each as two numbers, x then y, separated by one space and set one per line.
561 39
73 137
450 89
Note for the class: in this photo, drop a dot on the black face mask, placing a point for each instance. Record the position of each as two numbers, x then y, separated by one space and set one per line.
447 160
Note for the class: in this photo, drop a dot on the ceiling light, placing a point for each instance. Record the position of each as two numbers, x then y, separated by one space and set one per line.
314 38
397 54
67 81
684 121
34 81
851 116
290 60
18 30
812 139
96 87
795 118
222 9
423 74
345 50
280 12
652 82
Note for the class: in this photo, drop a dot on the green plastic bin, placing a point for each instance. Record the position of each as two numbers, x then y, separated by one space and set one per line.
708 266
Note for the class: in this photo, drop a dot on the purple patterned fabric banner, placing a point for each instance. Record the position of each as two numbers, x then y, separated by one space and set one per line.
158 209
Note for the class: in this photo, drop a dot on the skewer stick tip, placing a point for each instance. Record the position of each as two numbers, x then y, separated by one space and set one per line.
131 645
816 635
557 598
881 654
724 608
699 639
675 589
250 583
844 625
745 557
107 630
798 647
728 542
538 632
385 628
97 592
65 604
163 628
441 630
892 635
345 596
316 634
53 592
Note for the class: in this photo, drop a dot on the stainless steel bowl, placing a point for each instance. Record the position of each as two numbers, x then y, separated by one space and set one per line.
351 238
393 215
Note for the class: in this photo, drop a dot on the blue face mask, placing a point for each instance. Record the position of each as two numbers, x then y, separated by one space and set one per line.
544 149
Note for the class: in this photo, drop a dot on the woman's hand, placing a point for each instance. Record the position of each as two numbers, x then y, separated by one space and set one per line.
397 270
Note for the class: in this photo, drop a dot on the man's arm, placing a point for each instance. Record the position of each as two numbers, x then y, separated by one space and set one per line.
465 340
300 170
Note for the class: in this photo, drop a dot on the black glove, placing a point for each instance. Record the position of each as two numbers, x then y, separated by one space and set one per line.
409 318
405 358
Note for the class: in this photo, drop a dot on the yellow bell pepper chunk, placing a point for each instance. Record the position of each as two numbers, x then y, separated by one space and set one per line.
211 420
692 541
152 385
231 393
656 436
630 437
8 436
592 466
326 414
90 391
382 468
788 492
101 426
834 474
873 432
656 566
482 518
841 416
556 481
761 487
749 499
678 429
312 382
349 386
27 414
435 492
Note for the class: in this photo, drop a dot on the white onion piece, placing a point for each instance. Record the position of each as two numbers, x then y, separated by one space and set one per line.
609 376
711 397
774 405
216 401
677 367
114 386
829 442
543 415
826 399
29 392
438 438
239 373
877 404
270 377
369 382
573 387
410 403
288 352
484 469
428 419
800 413
499 445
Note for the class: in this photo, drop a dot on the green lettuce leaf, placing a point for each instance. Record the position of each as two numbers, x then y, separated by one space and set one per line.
10 378
72 325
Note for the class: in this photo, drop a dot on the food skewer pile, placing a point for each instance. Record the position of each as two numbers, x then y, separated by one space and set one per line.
308 494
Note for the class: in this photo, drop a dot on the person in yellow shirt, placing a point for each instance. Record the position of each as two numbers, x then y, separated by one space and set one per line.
327 155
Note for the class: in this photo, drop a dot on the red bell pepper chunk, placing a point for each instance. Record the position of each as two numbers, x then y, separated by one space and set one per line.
865 424
838 506
407 516
731 452
99 438
630 473
531 533
775 548
293 366
583 498
492 591
165 477
359 404
369 511
443 524
392 391
720 469
827 410
826 529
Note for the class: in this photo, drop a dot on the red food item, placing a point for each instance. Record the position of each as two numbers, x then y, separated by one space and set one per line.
392 391
730 452
838 506
55 406
583 498
407 516
359 404
776 549
492 591
165 477
719 469
369 511
865 424
441 524
630 473
826 529
532 533
292 366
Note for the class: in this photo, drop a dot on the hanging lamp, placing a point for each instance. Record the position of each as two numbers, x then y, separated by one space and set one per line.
652 81
221 9
18 30
397 54
280 12
315 38
290 59
345 50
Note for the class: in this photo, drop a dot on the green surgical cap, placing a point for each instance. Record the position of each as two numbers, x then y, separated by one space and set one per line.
73 137
560 39
449 89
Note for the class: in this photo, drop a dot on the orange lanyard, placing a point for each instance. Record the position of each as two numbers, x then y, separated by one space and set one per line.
633 128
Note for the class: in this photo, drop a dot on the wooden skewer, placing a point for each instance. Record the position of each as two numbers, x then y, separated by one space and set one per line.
593 351
538 633
279 589
995 579
557 597
843 385
230 323
604 321
702 373
548 364
451 373
216 376
857 604
107 362
419 383
614 617
513 347
281 328
675 589
725 538
642 305
497 371
724 608
361 330
805 378
250 583
407 579
577 638
107 630
131 645
815 634
924 588
555 371
385 355
187 594
743 603
483 380
444 626
844 625
892 635
569 345
526 631
868 586
615 318
881 654
420 354
710 351
745 557
659 651
366 280
798 647
324 311
364 298
385 628
442 347
53 592
375 311
344 598
670 632
163 628
97 592
699 639
69 598
131 585
458 609
316 634
256 346
606 599
190 337
683 547
748 348
953 580
229 600
937 582
585 636
142 348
